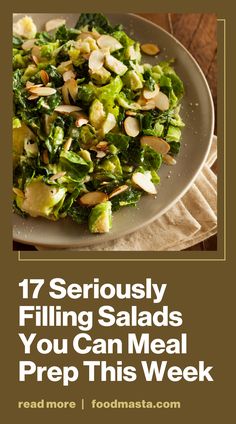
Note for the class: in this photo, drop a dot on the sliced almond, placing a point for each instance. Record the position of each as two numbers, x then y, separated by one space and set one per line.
67 144
81 119
36 54
42 91
102 145
57 175
65 66
100 154
131 126
150 105
35 59
18 192
118 190
33 86
28 44
29 84
169 160
68 75
150 49
156 143
53 24
141 101
80 122
142 181
45 157
162 101
44 76
72 88
131 113
148 94
96 60
33 97
67 108
107 41
93 198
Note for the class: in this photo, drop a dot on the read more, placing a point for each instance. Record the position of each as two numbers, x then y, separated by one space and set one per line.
101 371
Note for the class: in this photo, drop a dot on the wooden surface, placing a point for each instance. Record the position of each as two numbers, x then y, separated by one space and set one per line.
197 32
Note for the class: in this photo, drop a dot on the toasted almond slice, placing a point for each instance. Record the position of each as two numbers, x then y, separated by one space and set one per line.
45 157
148 94
68 75
131 113
28 44
100 154
150 49
18 192
44 76
107 41
93 198
65 66
81 119
118 190
67 108
67 144
42 91
141 101
33 97
131 126
102 145
142 181
149 105
80 122
29 84
36 54
54 23
57 175
72 88
35 59
156 143
96 60
169 160
162 101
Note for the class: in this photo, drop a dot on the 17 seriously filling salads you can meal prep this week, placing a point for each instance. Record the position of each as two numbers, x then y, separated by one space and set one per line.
93 120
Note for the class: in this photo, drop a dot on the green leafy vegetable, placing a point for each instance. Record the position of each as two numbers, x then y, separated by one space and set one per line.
94 20
78 115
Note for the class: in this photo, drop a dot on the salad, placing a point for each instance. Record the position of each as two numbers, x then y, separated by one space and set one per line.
93 120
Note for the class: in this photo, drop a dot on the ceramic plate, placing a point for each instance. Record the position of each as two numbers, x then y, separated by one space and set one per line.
198 114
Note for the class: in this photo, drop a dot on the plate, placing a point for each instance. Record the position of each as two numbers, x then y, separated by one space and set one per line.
198 114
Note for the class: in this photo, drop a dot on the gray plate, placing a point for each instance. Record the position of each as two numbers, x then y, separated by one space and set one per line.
197 112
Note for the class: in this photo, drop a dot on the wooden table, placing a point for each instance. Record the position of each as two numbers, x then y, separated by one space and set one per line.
197 32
